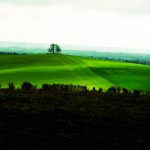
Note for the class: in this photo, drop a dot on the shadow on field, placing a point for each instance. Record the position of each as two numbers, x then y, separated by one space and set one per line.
50 120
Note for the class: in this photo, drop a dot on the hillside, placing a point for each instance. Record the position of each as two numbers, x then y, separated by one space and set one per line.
50 119
44 68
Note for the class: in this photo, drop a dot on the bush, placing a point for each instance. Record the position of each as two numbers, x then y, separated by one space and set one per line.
45 86
27 86
100 90
94 89
125 91
112 89
137 92
11 86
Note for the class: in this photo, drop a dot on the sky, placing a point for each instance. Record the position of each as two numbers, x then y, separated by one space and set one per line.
101 23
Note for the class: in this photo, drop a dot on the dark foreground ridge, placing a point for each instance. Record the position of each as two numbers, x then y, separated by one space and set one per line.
50 119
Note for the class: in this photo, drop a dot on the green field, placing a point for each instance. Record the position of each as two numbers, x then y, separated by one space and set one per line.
46 68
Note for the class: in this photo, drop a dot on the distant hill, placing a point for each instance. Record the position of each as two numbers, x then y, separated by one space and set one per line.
128 57
22 47
96 52
22 44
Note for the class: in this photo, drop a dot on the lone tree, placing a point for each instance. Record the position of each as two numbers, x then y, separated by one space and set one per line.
58 49
54 48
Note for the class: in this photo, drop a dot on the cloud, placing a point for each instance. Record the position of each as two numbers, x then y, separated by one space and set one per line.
94 23
47 24
119 6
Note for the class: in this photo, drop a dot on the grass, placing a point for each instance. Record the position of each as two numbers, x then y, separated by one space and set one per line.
44 68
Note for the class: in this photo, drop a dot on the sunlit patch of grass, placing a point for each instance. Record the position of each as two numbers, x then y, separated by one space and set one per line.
39 69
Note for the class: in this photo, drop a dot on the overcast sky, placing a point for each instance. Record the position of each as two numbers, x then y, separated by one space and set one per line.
110 23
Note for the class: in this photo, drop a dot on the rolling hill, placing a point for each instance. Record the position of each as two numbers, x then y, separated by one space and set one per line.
45 68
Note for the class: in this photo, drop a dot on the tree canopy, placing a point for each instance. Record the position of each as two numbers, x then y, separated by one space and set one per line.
54 48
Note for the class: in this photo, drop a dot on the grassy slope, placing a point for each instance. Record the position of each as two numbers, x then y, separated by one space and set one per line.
40 69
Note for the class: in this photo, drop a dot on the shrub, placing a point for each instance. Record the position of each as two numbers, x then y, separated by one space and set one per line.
137 92
27 86
45 86
84 88
100 90
11 86
112 89
94 89
125 91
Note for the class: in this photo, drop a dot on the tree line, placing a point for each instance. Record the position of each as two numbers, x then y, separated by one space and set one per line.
27 86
